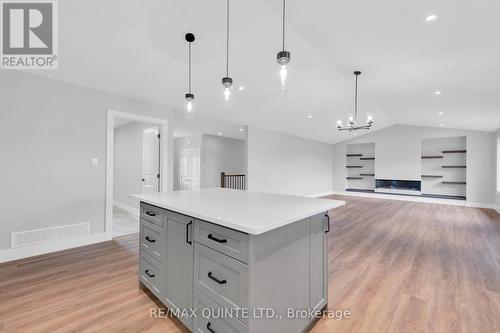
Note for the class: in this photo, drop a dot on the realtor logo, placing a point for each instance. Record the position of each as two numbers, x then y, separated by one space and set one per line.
29 34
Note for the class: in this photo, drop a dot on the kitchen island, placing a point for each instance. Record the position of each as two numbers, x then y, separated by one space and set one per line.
225 260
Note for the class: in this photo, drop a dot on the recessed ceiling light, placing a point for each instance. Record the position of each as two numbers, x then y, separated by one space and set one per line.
437 92
241 88
432 17
441 113
220 133
442 125
309 116
241 129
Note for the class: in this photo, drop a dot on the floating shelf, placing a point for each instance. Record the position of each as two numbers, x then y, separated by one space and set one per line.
456 183
431 176
454 151
454 166
428 157
353 166
354 178
354 155
367 158
367 174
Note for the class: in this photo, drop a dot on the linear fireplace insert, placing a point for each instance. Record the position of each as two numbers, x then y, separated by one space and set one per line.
398 186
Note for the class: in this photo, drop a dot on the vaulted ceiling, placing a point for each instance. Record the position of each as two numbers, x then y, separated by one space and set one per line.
137 48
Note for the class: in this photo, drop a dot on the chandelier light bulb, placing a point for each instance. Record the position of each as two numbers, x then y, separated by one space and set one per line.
189 106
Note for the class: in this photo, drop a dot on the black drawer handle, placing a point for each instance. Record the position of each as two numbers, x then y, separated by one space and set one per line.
150 240
150 213
327 223
216 279
209 328
217 239
147 273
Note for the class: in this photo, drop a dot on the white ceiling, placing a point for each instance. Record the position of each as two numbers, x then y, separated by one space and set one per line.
137 48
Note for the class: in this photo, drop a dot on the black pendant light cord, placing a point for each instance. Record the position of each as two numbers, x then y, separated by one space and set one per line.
227 41
356 100
283 28
189 70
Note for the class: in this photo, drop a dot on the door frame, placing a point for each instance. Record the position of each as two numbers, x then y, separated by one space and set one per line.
199 172
164 172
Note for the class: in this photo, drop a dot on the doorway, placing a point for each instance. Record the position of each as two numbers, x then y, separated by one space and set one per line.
136 163
189 169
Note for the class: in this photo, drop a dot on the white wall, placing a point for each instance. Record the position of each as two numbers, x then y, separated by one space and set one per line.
406 140
128 163
287 164
497 139
183 143
221 154
49 132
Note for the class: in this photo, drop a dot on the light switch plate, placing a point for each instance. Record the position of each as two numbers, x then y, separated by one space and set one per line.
95 161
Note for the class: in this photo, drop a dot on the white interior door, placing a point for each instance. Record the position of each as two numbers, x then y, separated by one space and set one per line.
189 169
151 160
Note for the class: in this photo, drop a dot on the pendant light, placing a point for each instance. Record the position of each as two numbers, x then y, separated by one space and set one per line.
227 82
351 124
189 96
283 56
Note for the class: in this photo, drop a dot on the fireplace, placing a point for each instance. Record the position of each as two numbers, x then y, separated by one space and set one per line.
393 186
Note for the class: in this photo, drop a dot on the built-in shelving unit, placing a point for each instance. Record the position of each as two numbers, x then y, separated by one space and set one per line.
444 165
360 156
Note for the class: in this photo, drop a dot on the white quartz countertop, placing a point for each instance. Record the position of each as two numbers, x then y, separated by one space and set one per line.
246 211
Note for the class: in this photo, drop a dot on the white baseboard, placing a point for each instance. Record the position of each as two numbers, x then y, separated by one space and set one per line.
59 245
482 205
318 195
125 207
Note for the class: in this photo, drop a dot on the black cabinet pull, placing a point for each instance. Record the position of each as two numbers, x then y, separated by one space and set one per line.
327 223
217 239
187 233
150 240
216 279
150 213
147 273
209 328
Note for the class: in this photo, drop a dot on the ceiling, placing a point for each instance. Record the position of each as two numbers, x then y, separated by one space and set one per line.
137 48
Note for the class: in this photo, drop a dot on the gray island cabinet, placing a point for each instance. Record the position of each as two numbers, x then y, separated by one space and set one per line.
242 261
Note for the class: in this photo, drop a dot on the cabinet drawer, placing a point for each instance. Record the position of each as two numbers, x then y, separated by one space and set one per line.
211 318
228 241
152 240
152 213
151 274
223 279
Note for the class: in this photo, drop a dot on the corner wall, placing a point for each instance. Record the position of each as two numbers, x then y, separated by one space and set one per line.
288 164
406 141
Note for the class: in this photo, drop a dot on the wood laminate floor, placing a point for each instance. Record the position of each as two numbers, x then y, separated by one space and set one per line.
396 266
